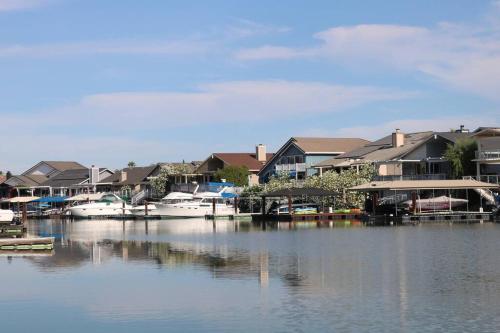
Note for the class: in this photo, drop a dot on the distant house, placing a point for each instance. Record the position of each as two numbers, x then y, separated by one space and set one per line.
38 174
253 161
401 155
75 181
488 154
298 155
129 181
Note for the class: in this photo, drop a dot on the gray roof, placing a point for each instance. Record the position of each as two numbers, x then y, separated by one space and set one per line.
382 149
328 145
69 177
135 175
26 180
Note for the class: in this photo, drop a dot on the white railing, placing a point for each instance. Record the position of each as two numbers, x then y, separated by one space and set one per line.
488 155
299 167
492 179
138 197
435 176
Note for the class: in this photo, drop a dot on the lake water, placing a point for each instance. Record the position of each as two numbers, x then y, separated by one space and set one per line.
192 276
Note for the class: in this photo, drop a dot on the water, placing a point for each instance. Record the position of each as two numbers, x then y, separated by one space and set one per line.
186 276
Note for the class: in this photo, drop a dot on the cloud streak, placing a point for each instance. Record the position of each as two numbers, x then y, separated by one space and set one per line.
15 5
463 57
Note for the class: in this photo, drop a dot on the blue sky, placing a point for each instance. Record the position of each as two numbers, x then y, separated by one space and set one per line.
106 82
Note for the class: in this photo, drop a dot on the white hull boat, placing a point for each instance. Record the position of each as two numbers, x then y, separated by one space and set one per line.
141 210
194 205
109 205
6 215
438 203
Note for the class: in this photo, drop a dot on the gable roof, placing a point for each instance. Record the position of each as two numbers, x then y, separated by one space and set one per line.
328 145
248 160
26 180
135 175
56 165
382 149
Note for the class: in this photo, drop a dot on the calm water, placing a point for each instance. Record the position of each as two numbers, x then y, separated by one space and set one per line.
186 276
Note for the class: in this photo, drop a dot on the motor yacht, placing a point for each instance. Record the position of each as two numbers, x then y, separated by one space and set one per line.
179 204
108 205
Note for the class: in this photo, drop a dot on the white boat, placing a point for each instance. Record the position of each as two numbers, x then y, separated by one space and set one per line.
141 210
179 204
439 203
6 215
108 205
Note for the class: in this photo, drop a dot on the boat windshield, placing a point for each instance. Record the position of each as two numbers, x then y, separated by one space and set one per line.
110 198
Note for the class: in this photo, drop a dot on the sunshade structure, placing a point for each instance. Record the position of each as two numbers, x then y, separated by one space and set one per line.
409 185
51 199
21 199
86 197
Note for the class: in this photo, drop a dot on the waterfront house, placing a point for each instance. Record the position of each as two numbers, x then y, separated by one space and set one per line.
401 155
488 154
129 182
253 161
299 155
32 178
183 175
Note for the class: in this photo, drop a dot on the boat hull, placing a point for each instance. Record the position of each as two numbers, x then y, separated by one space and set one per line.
6 215
85 211
191 210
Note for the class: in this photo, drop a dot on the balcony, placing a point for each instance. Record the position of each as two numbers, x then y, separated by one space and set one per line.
490 155
492 179
432 176
297 167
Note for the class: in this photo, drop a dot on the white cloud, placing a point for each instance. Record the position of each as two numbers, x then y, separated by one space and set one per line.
12 5
463 57
238 101
129 46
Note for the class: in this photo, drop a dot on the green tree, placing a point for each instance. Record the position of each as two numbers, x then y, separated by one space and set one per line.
160 182
8 174
234 174
460 156
131 164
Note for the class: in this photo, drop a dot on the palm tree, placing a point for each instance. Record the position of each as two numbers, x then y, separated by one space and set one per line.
460 156
131 164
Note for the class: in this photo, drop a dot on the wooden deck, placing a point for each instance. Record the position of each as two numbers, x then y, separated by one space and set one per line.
11 230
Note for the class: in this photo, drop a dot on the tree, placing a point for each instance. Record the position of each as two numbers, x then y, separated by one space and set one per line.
131 164
234 174
8 174
460 156
160 182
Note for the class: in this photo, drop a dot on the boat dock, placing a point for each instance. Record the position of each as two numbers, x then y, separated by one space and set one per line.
11 230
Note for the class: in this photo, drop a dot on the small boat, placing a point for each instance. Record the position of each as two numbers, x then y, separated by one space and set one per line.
304 208
439 203
6 215
108 205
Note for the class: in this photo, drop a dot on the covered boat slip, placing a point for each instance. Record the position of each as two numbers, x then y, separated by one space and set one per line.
292 214
429 200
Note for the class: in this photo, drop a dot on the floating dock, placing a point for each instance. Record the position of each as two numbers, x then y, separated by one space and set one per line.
11 230
434 217
27 244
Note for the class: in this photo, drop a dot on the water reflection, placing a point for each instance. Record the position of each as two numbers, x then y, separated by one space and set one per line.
192 275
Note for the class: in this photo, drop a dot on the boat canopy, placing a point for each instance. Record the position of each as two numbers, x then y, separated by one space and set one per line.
402 185
21 199
51 199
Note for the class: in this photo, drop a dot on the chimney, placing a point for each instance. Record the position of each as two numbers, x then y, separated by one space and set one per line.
93 175
462 129
123 176
398 138
260 153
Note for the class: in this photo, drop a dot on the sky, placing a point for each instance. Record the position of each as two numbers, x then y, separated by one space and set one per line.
104 82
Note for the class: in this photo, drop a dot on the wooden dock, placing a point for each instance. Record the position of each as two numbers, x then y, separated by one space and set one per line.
11 230
27 244
434 217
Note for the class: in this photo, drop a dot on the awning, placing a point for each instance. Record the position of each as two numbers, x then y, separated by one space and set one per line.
21 199
402 185
51 199
86 197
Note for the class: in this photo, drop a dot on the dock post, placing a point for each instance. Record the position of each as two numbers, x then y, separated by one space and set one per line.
235 206
146 208
25 213
213 207
263 206
414 201
290 205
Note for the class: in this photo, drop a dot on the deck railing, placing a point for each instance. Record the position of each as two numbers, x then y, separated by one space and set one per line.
436 176
488 155
492 179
